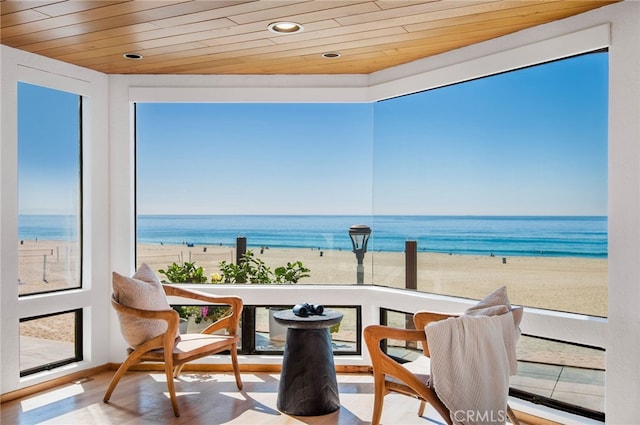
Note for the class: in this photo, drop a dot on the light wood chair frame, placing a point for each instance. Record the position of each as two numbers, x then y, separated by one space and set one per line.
164 348
391 376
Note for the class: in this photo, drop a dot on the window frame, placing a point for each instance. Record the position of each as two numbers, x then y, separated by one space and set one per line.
80 206
78 343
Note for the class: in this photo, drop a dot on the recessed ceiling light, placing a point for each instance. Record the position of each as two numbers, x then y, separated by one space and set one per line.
331 55
285 27
133 56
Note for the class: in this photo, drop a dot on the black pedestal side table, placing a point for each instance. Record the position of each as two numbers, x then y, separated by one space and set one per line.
308 385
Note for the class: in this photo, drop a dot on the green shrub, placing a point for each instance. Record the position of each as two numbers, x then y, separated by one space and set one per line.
186 273
291 273
190 273
251 269
248 270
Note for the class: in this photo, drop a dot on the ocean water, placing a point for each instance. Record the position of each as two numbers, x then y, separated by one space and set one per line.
575 236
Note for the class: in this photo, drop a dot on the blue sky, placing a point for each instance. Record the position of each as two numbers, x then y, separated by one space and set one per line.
528 142
254 158
48 151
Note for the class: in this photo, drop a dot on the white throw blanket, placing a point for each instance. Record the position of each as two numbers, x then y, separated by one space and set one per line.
472 358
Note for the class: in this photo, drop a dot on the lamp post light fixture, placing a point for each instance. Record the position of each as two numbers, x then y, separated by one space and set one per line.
359 235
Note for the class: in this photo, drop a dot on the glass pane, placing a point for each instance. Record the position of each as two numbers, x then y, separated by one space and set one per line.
405 350
346 335
48 342
271 336
287 177
569 373
500 181
49 181
195 318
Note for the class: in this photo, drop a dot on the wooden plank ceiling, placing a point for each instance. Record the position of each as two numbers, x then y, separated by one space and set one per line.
231 37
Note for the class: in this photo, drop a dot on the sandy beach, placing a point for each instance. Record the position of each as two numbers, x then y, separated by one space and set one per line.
558 283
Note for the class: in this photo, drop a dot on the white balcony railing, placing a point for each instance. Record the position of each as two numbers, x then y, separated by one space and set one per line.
568 327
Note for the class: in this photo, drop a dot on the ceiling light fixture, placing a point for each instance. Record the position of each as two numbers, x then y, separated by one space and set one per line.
133 56
284 27
331 55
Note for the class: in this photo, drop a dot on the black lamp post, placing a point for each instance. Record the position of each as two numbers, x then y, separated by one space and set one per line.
359 235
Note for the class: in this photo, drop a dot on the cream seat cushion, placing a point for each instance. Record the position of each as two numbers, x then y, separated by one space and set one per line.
142 291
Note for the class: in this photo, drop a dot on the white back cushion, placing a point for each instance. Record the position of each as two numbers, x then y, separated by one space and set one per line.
143 291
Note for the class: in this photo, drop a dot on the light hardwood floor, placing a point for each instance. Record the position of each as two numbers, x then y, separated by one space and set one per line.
204 398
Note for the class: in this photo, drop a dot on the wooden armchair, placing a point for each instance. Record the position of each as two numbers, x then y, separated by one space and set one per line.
175 352
408 378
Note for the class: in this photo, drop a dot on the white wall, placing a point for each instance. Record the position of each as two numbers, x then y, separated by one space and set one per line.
623 350
615 26
20 66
